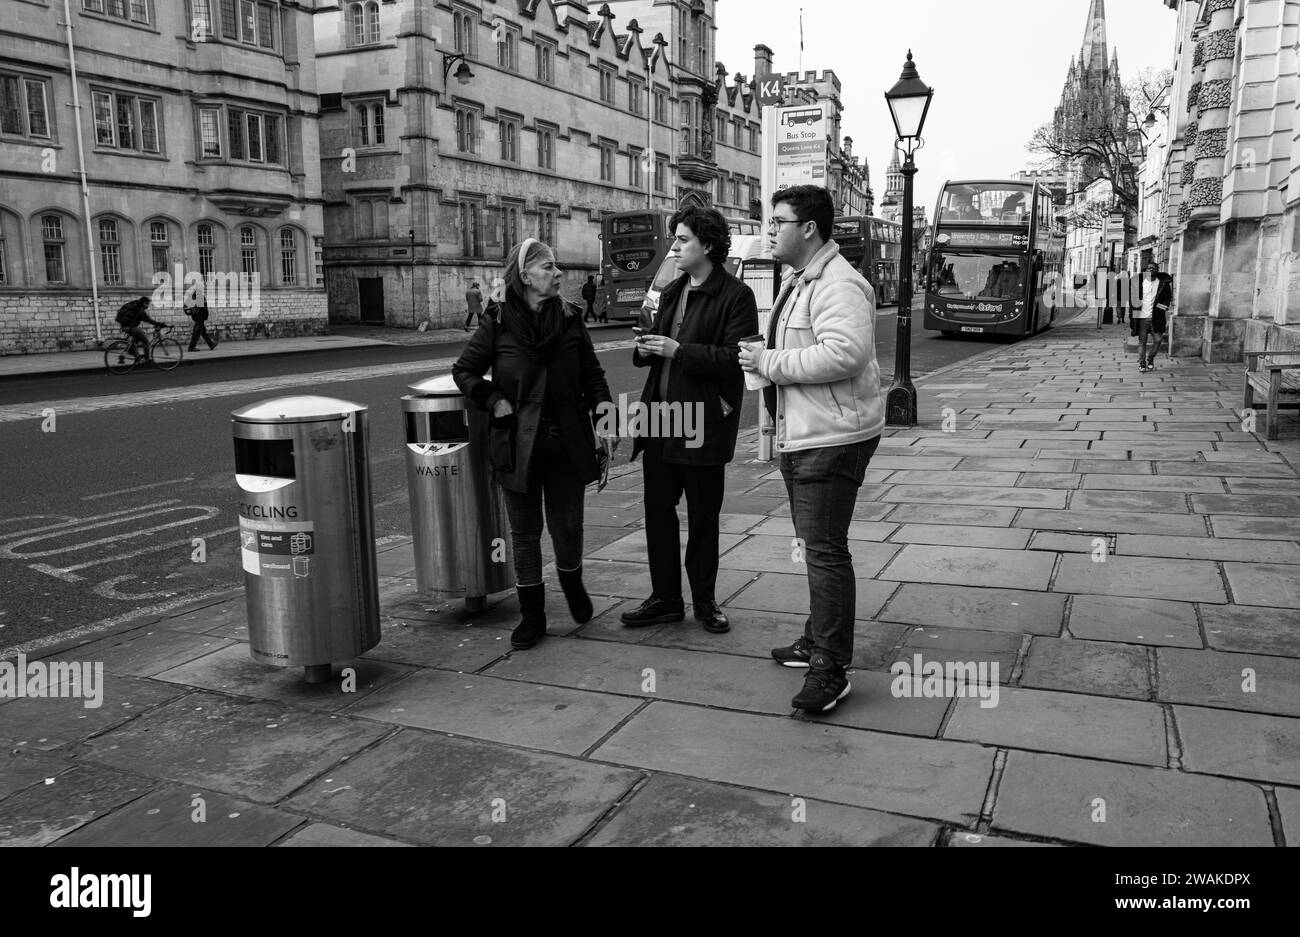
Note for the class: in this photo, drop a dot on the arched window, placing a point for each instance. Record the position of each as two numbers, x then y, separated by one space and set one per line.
206 248
110 252
372 21
288 257
55 240
357 15
248 254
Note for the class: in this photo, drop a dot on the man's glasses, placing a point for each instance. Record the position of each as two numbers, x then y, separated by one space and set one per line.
774 224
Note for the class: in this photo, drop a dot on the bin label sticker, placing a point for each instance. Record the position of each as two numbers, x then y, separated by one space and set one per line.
285 552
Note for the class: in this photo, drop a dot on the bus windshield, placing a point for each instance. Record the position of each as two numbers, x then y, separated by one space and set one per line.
986 203
964 275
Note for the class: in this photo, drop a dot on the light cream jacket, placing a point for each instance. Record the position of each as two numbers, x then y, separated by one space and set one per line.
824 359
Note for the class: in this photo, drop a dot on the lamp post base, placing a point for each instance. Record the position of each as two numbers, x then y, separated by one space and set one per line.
900 405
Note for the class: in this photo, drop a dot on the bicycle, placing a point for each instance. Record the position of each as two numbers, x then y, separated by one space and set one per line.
165 354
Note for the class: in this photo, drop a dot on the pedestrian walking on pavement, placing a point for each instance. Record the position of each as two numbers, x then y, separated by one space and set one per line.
602 302
1149 319
545 388
474 303
589 297
196 307
691 352
826 404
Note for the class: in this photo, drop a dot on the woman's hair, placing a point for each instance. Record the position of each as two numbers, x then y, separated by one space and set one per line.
708 226
521 255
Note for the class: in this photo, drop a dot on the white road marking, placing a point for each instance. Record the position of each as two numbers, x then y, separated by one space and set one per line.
72 522
68 573
8 552
109 494
33 411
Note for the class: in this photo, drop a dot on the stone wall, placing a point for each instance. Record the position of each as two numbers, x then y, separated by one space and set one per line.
53 321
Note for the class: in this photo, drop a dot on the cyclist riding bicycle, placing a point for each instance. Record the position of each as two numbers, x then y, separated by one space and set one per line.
130 317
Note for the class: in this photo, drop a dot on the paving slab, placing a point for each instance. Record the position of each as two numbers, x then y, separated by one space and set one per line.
1064 480
254 750
781 555
1237 469
146 652
44 812
1177 483
878 702
941 535
754 634
955 479
464 648
1063 543
231 670
1064 723
1255 528
442 791
970 566
1212 678
920 777
1106 803
1264 505
326 834
185 816
960 646
858 530
50 722
788 592
1184 525
22 767
1262 486
967 515
1006 610
632 580
1134 621
1269 584
1288 808
994 464
631 548
1142 577
1208 548
1252 629
210 616
1237 744
670 811
892 460
992 497
506 711
1111 467
1166 502
1091 667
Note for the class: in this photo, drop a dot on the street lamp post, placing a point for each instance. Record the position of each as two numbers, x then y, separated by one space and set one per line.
909 103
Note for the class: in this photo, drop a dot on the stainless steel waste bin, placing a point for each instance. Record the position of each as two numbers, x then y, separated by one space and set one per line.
458 520
306 531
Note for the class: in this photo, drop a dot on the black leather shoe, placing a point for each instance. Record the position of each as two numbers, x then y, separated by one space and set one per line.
654 612
710 616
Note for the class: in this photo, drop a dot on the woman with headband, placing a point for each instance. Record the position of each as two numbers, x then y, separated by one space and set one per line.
545 388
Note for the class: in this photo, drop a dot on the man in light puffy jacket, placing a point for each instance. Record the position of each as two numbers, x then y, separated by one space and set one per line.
829 411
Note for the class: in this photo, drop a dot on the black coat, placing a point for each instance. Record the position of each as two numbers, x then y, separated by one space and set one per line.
720 312
572 376
1164 299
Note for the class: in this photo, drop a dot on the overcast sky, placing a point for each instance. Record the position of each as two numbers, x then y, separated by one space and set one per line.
997 67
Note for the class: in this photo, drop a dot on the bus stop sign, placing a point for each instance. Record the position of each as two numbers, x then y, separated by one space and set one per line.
771 91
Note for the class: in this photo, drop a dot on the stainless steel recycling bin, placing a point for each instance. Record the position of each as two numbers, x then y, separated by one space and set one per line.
306 532
458 519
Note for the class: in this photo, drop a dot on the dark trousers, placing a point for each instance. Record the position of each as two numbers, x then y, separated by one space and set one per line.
200 331
822 485
551 483
591 311
1143 333
470 318
664 485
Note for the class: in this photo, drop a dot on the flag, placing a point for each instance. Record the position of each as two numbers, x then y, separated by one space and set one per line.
801 29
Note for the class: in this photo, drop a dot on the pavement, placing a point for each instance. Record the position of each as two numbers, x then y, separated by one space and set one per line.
341 336
1113 542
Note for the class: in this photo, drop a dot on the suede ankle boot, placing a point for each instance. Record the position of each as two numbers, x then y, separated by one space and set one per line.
532 626
576 594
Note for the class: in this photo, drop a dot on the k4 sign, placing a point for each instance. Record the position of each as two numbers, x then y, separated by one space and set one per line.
800 154
771 91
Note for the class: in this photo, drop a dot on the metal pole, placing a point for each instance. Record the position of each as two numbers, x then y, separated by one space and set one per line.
649 165
413 314
900 404
81 172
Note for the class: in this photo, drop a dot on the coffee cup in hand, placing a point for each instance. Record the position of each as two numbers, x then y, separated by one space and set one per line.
754 380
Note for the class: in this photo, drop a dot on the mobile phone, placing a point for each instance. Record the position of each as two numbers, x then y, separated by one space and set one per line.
638 332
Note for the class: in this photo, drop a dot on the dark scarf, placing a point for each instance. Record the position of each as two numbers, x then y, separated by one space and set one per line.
538 332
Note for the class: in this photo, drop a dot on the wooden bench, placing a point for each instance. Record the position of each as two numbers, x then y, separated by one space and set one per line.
1277 378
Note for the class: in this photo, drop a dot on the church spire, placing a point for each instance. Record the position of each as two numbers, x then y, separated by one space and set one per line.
1093 56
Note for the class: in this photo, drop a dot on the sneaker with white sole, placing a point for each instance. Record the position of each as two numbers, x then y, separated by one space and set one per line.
823 688
796 655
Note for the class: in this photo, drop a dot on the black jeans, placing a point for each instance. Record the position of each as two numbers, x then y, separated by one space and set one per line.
822 485
551 481
664 485
1144 332
200 331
